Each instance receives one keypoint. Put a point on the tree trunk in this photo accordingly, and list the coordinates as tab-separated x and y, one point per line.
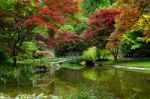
14	60
14	55
115	53
51	33
115	58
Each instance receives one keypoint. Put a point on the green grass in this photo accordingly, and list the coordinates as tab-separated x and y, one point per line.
135	63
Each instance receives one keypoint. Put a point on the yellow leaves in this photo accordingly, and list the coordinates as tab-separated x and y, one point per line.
143	23
132	12
147	36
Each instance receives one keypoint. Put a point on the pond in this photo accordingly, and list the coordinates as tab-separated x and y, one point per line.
89	83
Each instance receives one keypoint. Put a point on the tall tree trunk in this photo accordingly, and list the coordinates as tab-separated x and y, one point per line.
14	55
14	61
115	52
51	33
115	58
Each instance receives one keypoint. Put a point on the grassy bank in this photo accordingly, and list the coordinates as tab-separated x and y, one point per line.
145	63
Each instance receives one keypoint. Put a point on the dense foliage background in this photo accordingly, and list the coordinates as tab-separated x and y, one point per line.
93	29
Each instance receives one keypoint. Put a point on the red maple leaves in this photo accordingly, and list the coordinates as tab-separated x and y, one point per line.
101	24
68	37
55	13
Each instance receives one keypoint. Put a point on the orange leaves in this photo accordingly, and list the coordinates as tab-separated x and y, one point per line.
114	40
131	13
147	35
127	19
132	10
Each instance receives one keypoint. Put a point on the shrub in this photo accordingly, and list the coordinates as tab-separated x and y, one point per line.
3	57
94	53
134	45
90	54
103	54
29	48
8	73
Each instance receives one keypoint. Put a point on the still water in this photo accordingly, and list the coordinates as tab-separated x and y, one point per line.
89	83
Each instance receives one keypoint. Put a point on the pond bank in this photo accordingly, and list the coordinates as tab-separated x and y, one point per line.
141	63
133	68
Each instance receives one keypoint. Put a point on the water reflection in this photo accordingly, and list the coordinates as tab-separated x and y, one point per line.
106	83
91	83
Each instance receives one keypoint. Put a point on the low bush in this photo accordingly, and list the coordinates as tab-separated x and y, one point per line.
134	45
3	57
9	74
6	73
94	54
90	54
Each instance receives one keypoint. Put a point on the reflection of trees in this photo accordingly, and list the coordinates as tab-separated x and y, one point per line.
97	79
121	83
70	75
105	83
98	74
129	84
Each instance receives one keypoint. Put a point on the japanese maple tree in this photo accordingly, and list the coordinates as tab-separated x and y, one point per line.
131	12
54	14
101	24
13	28
19	17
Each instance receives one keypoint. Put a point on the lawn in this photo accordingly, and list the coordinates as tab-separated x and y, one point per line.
134	62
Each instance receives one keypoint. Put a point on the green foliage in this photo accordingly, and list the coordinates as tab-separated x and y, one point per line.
90	6
134	39
10	5
5	4
8	74
105	4
76	26
133	45
3	57
103	54
90	54
77	47
67	27
29	48
80	27
14	29
42	30
94	53
24	73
